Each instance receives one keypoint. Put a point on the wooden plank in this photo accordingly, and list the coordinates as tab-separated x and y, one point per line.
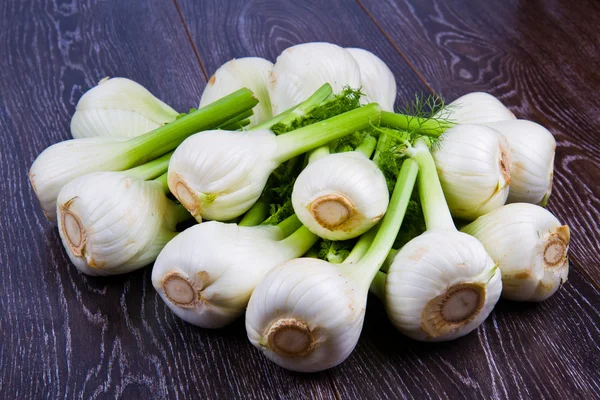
539	58
63	335
265	28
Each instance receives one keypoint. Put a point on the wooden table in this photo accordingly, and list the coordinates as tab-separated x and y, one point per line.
64	335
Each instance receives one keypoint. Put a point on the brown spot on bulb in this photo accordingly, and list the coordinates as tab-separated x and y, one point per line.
505	161
523	275
212	80
418	254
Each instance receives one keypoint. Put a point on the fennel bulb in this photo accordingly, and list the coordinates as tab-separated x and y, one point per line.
119	107
207	273
248	72
532	149
307	314
61	163
473	164
302	69
530	246
111	223
475	108
442	284
218	175
340	196
376	79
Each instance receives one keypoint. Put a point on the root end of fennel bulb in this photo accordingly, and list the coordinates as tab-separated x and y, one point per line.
556	245
530	246
334	211
290	337
73	230
340	196
190	200
111	224
453	309
441	285
179	290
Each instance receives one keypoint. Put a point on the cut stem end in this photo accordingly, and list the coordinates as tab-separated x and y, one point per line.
185	195
73	230
556	247
179	290
290	338
454	309
332	211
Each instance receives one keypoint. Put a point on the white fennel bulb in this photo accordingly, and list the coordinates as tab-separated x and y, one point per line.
119	107
473	164
442	284
530	246
340	196
532	149
475	108
249	72
61	163
300	70
307	314
219	175
376	79
111	223
207	274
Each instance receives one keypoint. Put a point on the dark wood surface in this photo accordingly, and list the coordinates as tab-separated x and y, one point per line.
64	335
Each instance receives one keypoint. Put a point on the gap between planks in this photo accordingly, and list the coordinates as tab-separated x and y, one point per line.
189	35
393	44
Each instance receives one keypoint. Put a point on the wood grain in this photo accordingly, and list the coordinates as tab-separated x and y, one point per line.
65	335
540	59
265	28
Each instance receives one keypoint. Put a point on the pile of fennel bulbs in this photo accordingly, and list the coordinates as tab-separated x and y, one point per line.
308	192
